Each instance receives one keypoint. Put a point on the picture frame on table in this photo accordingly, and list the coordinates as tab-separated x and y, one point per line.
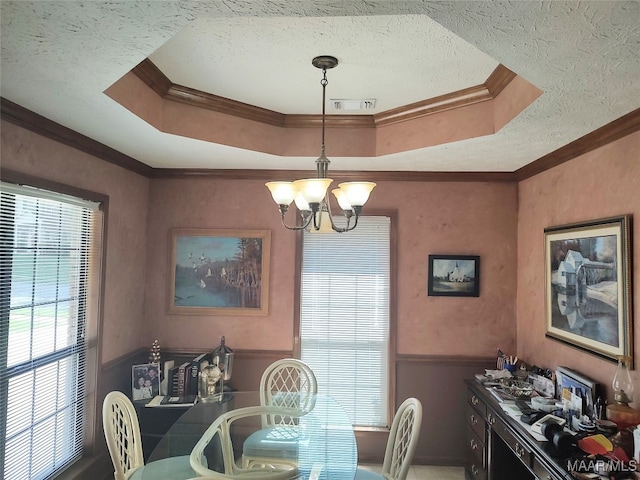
588	286
454	276
145	381
219	272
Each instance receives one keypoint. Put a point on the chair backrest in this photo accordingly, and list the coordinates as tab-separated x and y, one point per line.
122	432
403	440
288	383
221	428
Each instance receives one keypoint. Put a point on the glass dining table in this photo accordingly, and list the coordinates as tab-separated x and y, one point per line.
325	444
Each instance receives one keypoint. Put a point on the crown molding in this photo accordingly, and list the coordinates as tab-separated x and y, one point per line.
461	98
499	79
147	71
337	175
14	113
615	130
160	84
29	120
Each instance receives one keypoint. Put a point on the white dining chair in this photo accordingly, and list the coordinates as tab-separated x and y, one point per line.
122	433
401	444
288	383
220	430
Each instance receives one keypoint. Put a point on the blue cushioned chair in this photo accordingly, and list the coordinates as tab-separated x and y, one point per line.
290	384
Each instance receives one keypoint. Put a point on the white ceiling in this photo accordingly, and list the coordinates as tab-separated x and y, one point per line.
59	57
266	62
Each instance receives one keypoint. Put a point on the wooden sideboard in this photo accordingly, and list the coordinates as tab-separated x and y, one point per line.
154	423
500	448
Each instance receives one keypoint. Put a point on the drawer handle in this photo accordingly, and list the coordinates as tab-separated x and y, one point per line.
474	444
474	419
491	419
474	400
519	450
474	470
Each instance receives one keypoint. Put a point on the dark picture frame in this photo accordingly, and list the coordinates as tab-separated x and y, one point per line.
588	286
454	276
219	272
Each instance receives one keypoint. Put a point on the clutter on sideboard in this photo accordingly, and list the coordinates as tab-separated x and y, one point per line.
201	376
568	408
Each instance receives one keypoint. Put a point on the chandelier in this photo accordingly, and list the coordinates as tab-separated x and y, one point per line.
310	194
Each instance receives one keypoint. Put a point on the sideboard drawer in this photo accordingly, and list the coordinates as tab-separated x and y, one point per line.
498	448
522	452
477	403
476	422
475	472
541	471
476	451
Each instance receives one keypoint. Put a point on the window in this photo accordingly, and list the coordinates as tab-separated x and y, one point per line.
50	250
344	316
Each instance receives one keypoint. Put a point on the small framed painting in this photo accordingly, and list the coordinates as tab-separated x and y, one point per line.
219	272
454	276
588	286
145	381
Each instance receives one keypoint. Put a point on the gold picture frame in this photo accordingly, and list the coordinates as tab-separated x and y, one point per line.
588	286
219	272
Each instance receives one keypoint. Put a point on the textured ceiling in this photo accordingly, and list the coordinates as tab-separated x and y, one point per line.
58	58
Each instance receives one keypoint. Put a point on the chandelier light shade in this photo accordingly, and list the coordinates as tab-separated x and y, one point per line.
310	194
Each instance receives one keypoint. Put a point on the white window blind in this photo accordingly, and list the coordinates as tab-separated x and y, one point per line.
47	243
344	316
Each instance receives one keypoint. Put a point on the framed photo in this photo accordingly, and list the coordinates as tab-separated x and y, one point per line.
219	272
145	381
454	276
588	286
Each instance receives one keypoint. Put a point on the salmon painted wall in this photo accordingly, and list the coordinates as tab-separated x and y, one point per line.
456	217
599	184
217	204
444	218
487	219
29	153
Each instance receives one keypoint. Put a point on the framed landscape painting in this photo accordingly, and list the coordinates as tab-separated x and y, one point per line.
588	286
219	272
454	276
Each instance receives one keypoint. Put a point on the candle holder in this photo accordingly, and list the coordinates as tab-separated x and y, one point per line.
620	412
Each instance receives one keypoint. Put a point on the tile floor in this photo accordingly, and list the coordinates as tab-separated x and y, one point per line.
427	472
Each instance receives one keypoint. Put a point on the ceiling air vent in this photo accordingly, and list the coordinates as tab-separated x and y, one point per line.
353	105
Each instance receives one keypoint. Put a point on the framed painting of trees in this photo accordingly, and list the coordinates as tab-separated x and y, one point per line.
219	272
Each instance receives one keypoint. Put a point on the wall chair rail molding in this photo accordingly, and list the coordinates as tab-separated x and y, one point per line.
438	381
